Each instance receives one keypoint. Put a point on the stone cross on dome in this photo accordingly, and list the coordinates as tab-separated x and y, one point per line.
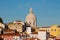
30	10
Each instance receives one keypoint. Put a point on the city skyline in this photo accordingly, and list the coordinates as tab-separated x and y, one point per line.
46	11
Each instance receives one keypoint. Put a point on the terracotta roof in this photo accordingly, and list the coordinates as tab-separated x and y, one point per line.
7	35
0	36
8	31
30	39
57	39
13	34
58	26
34	33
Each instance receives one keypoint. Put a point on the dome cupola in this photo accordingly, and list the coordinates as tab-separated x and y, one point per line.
31	18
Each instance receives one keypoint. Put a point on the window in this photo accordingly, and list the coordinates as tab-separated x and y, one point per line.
51	29
55	29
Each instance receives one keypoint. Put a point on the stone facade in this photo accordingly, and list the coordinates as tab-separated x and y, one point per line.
16	26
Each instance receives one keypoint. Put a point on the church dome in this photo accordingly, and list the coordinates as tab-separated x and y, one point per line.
31	16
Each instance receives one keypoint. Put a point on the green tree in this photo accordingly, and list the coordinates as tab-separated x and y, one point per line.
1	21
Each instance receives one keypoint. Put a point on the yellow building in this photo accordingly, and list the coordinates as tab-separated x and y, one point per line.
55	30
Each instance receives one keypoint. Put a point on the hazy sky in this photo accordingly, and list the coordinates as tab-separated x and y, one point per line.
47	11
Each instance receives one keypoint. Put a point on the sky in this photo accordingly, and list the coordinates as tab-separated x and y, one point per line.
47	12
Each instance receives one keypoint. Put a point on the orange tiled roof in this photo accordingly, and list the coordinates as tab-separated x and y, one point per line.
13	34
34	33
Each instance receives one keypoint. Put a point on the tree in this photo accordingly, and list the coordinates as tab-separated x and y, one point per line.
1	21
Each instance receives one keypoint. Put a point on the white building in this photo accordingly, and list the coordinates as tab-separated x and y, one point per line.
42	34
34	35
28	30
